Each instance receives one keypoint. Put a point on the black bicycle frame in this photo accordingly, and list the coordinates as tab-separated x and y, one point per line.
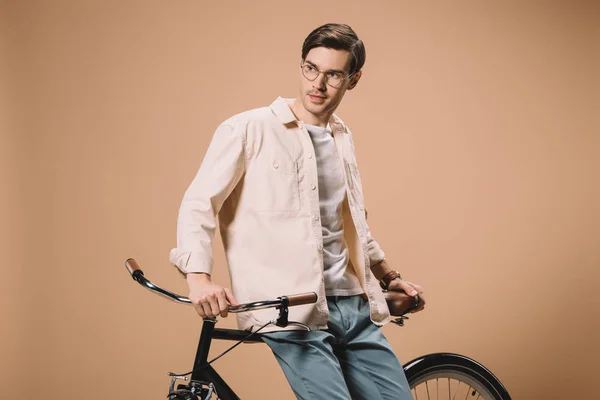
204	372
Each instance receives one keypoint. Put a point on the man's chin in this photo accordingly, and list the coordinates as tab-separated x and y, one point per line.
316	109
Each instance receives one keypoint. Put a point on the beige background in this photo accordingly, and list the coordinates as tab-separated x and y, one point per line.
477	131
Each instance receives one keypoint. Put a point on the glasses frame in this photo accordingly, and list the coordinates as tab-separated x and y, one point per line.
325	74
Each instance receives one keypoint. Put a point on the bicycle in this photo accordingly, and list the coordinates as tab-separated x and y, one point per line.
465	376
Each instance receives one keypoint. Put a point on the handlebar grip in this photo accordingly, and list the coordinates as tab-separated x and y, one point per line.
304	298
395	304
133	267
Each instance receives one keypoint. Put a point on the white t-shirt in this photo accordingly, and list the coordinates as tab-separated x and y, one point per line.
339	280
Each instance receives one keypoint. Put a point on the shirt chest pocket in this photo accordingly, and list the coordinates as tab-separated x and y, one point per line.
272	185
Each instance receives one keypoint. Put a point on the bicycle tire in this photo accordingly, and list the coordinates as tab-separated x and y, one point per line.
458	370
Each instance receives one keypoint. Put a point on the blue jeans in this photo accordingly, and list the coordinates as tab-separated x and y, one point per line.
350	360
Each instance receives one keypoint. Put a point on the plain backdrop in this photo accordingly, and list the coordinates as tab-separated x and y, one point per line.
478	137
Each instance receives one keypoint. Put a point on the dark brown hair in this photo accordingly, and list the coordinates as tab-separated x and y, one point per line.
339	37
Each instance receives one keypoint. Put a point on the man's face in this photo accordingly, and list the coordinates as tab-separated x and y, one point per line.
317	97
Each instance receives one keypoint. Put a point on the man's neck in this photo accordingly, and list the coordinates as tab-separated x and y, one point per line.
309	118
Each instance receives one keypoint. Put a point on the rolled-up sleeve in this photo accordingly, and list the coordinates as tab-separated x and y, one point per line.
374	250
222	168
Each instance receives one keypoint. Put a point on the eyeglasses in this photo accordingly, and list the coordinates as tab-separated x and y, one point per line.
332	78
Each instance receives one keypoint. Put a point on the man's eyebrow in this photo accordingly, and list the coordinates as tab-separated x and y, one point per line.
331	70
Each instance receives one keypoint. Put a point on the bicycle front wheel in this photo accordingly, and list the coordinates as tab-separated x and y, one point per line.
446	376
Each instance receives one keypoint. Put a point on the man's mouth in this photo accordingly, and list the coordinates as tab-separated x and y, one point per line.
316	97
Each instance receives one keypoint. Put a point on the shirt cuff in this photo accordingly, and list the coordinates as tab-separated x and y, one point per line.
376	255
191	261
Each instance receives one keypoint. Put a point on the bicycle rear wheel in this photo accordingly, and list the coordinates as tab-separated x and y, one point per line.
446	376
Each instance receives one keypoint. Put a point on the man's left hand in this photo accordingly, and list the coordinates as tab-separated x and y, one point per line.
408	289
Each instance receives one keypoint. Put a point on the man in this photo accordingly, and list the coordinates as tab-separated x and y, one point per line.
284	183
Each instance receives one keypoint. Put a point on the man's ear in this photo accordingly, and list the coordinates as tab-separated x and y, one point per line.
354	80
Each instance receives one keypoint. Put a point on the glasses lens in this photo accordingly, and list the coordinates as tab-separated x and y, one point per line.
309	72
334	81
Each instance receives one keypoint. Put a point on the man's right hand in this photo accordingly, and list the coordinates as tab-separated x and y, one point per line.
209	299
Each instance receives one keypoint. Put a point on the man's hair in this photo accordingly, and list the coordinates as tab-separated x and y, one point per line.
338	37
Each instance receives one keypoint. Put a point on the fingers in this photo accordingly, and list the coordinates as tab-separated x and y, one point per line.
420	293
199	310
206	309
407	287
414	285
223	305
413	290
204	305
399	303
212	302
230	297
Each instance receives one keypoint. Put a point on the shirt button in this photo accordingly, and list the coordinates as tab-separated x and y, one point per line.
310	155
316	217
313	187
275	165
320	247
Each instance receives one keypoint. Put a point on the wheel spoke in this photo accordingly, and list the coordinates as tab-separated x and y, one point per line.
455	393
468	391
474	383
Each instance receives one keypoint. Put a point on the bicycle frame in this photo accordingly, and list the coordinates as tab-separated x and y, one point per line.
203	372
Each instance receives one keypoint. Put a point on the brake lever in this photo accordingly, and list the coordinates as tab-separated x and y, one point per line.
400	320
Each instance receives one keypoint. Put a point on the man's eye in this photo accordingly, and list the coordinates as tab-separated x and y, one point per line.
335	75
309	68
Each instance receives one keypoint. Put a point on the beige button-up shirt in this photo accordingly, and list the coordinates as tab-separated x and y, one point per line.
259	178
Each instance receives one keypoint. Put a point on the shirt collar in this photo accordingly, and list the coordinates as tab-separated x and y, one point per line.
281	109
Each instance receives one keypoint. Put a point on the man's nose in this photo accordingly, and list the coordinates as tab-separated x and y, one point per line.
319	83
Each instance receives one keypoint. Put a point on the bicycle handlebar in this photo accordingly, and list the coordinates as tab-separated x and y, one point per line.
293	300
132	266
304	298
